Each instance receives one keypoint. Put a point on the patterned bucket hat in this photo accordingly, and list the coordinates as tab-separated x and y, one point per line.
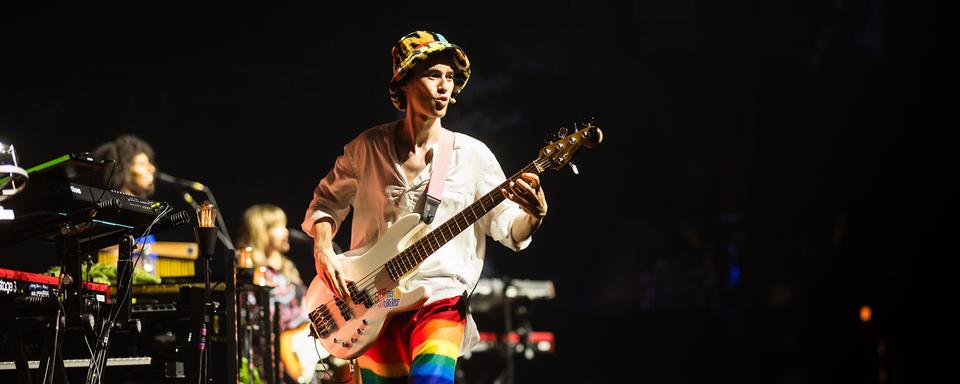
415	48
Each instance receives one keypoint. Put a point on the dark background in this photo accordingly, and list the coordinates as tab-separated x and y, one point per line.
768	167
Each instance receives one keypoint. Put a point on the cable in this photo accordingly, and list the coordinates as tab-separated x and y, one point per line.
61	311
326	368
109	179
98	360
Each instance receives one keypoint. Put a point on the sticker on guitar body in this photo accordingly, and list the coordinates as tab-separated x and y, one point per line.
388	298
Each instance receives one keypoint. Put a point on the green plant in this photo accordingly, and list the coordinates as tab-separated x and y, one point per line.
107	274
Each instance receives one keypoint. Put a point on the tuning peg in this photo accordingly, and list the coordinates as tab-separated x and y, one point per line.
551	138
562	131
573	167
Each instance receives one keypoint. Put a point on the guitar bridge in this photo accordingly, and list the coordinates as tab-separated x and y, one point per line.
323	321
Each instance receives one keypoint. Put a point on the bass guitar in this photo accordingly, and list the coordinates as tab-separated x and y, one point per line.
347	328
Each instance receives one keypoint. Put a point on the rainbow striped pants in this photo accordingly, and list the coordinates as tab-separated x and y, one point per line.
417	346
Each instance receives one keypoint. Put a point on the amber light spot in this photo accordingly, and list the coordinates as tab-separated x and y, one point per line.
866	313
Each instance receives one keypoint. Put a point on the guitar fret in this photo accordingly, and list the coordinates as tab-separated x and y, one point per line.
427	246
422	251
413	259
450	233
415	251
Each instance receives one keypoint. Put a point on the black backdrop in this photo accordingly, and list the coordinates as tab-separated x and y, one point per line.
768	167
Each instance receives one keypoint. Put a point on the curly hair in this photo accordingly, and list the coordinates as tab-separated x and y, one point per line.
122	150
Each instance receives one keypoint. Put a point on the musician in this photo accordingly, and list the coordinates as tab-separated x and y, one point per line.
382	174
134	173
263	235
264	231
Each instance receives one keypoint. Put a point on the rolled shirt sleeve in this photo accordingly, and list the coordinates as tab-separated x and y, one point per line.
334	194
499	220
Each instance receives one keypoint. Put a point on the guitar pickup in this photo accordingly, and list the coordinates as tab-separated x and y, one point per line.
344	310
358	296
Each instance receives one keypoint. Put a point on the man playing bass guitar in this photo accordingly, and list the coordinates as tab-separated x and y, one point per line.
384	174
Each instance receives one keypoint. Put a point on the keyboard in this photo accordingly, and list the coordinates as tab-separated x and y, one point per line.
82	363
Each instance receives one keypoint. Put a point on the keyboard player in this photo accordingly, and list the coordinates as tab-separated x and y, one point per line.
134	173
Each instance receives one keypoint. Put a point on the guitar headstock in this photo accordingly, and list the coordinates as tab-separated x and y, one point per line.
563	146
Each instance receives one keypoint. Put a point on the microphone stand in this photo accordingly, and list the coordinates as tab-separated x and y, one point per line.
207	242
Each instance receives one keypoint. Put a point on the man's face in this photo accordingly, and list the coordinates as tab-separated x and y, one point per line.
430	87
141	176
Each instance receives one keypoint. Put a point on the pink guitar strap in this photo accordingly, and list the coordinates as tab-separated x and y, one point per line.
441	163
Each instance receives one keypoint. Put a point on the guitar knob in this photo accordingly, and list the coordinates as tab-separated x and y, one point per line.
359	331
353	339
365	322
562	131
335	340
345	344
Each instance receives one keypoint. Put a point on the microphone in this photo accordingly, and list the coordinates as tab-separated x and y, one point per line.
299	236
189	199
169	179
184	183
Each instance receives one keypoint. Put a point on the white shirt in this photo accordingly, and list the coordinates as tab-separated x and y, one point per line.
368	177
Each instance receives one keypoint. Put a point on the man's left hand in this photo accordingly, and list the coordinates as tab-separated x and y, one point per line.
527	193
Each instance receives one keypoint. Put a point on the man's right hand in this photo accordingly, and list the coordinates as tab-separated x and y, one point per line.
328	264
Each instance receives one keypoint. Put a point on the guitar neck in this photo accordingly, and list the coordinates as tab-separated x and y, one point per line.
417	252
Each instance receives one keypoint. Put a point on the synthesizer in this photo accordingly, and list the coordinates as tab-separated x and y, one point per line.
62	191
28	287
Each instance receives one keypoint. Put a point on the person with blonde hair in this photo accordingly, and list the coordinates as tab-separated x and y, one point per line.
264	241
265	232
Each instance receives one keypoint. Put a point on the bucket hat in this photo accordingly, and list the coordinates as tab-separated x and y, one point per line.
416	47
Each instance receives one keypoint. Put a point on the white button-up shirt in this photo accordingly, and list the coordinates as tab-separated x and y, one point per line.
368	177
